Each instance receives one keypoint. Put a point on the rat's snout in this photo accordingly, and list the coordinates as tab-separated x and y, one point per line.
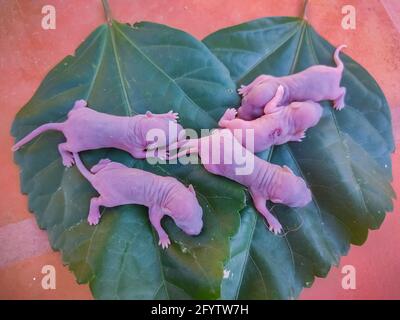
190	217
197	224
317	110
195	230
304	197
306	114
192	228
313	113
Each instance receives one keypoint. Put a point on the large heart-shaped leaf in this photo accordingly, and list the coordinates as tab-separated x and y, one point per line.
124	70
345	160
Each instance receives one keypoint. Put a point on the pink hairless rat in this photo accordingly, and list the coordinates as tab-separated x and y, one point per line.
316	83
266	181
120	185
287	124
87	129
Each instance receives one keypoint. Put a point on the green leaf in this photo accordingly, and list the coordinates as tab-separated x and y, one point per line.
345	160
127	70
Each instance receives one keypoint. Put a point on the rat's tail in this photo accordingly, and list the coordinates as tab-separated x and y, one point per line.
36	132
339	63
81	167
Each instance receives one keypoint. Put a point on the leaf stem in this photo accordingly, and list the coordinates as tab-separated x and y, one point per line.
107	11
305	7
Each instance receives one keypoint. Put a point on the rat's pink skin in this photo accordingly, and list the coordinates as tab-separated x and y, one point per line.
87	129
287	124
316	83
266	182
164	196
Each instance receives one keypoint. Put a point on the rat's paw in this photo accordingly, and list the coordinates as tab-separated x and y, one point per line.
80	104
68	161
230	114
242	90
164	242
299	136
93	219
338	106
173	115
274	225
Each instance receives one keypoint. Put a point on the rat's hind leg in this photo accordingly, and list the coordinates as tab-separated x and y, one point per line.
94	211
273	105
338	103
260	204
67	157
169	115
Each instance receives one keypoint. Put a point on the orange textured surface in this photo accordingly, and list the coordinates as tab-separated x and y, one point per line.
27	53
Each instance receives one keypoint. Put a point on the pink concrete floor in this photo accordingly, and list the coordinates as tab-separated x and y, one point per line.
27	53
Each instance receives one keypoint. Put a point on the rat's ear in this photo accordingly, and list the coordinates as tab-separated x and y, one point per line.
286	168
191	189
149	114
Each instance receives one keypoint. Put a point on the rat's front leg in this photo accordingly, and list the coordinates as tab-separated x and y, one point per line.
156	214
66	155
94	211
260	204
169	115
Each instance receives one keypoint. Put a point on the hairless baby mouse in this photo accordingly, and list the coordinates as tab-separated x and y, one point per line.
164	196
266	181
87	129
286	124
315	83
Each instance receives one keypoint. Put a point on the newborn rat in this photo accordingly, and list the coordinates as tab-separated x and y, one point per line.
288	123
120	185
315	83
87	129
266	181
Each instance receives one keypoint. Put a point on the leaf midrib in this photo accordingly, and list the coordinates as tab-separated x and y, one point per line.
248	254
163	73
361	195
268	53
304	32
